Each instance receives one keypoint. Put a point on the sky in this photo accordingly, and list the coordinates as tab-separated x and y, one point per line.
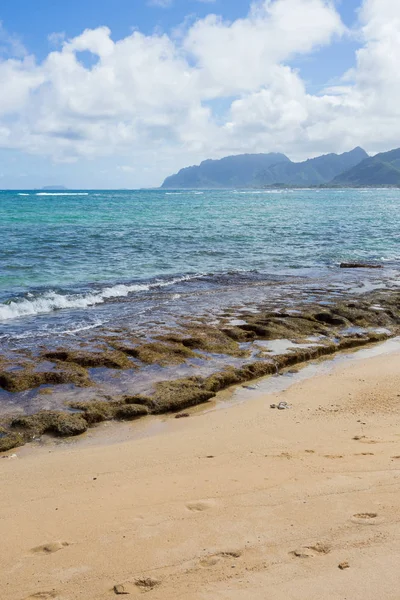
120	94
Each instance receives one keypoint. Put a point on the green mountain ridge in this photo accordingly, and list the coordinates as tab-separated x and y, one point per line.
263	170
382	169
314	171
228	172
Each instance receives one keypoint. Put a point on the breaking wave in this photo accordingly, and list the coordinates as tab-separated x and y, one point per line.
51	301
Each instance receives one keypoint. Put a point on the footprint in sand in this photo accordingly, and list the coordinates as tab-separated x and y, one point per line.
214	559
365	454
311	551
43	596
200	506
333	456
369	518
50	548
146	585
210	561
364	440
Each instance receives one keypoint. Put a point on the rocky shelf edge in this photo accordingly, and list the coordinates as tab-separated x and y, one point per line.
170	396
341	326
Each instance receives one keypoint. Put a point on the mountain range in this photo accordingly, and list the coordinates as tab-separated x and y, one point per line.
354	168
382	169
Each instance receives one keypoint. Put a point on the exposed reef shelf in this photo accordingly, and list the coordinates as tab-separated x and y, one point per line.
188	364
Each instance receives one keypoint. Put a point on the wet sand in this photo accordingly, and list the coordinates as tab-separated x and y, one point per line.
243	502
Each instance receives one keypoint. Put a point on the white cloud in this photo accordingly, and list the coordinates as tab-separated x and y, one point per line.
10	45
236	57
362	110
150	98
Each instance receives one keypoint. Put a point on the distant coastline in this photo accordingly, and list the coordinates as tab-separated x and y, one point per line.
354	169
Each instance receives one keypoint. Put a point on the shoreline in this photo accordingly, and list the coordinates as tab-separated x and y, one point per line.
114	432
226	504
189	364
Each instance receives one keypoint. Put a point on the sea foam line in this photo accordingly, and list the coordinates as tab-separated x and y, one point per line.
62	194
51	301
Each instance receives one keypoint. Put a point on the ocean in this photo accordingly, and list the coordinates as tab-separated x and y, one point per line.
76	264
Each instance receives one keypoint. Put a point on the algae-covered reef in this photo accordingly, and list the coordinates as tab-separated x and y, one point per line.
238	347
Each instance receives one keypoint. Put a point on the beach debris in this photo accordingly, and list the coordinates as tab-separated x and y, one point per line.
121	589
183	415
360	266
344	565
273	406
283	406
250	387
10	457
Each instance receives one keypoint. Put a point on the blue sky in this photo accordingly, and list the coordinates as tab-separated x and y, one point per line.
62	129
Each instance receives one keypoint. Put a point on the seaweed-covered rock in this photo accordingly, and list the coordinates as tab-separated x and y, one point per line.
207	339
26	379
329	319
176	395
58	423
162	353
131	411
212	340
94	411
127	407
223	379
269	327
239	335
9	440
138	399
109	359
65	424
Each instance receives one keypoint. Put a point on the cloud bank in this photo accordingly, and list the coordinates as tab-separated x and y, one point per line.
158	97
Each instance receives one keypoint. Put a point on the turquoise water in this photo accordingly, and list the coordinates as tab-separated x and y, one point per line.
63	253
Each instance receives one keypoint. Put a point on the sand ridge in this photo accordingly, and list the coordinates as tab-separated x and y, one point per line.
245	502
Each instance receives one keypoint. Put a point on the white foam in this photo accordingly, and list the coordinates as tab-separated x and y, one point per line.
45	332
51	301
62	194
23	194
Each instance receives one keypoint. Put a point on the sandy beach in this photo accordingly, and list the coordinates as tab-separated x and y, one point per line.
237	503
